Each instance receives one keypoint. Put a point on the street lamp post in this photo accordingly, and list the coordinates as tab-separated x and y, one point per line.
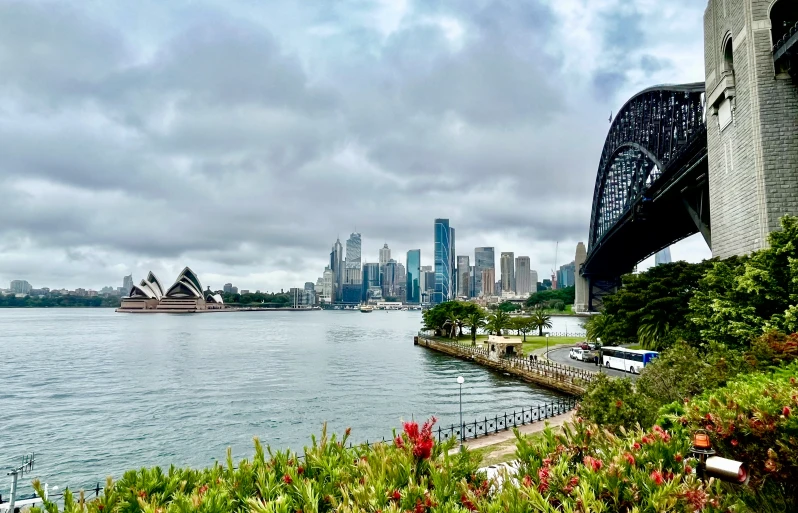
460	381
547	346
600	356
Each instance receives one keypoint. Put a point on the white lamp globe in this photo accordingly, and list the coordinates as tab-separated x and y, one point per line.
460	380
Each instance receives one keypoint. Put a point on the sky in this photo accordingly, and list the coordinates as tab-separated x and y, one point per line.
241	138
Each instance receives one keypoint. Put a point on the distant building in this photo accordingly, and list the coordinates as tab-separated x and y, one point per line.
20	287
228	288
329	285
523	276
566	275
452	266
370	281
484	258
507	260
488	283
351	293
533	280
413	285
443	262
385	255
463	276
353	244
663	256
127	284
337	267
244	291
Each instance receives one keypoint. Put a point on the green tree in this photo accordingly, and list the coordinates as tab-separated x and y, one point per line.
453	321
540	320
596	327
475	321
507	306
566	295
614	404
652	331
523	325
497	322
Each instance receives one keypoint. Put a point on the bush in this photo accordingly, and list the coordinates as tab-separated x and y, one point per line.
614	404
752	420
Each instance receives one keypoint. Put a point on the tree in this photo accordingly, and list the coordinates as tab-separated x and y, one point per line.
540	320
596	327
652	331
566	295
474	321
439	318
507	306
523	325
453	320
498	321
614	404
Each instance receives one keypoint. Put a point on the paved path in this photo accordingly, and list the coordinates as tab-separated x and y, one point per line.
527	429
560	355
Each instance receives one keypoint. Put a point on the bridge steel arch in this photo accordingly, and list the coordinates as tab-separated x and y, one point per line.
650	186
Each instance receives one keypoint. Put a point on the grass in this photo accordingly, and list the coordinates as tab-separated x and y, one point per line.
500	453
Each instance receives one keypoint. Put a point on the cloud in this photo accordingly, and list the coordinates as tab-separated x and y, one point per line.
242	140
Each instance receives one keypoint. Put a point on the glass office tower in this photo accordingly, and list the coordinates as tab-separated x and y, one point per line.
414	276
443	262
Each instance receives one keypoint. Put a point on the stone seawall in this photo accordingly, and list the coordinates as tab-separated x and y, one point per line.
557	377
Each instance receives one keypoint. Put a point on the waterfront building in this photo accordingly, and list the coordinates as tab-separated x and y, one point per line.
565	275
663	256
488	283
523	275
413	286
320	285
507	260
443	262
185	295
463	276
353	275
484	258
244	291
370	280
336	266
351	293
329	285
20	287
452	266
127	284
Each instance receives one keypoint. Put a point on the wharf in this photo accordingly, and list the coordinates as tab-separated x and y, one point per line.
548	374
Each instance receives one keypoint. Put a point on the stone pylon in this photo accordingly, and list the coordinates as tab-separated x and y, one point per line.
581	300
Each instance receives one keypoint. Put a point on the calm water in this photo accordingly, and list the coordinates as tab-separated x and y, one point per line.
94	392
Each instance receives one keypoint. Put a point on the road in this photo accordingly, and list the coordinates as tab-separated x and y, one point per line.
560	355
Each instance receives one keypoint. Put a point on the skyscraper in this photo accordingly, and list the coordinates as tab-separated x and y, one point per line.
353	251
523	275
508	272
663	256
337	267
385	255
533	279
443	262
484	258
127	284
463	276
329	284
488	283
371	280
414	276
566	275
452	266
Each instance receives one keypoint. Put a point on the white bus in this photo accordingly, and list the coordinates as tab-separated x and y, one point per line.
627	360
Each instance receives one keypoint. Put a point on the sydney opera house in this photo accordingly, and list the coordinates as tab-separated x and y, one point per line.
184	296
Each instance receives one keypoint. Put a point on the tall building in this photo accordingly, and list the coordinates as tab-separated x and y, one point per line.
127	284
566	275
414	276
385	254
228	288
463	276
452	266
484	258
443	262
533	279
353	251
523	275
371	281
508	271
329	284
337	267
663	257
23	287
488	283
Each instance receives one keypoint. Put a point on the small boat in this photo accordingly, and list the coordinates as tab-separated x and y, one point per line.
366	308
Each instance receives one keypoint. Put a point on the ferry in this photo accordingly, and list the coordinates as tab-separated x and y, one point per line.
366	308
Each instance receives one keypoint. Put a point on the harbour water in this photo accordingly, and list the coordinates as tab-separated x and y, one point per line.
94	392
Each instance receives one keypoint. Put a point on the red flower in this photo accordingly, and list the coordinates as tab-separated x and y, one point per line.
618	404
422	440
771	466
574	481
399	442
420	508
527	481
636	446
101	507
629	458
348	431
786	411
143	494
287	479
300	470
688	469
734	442
657	477
592	463
678	458
696	498
396	495
543	474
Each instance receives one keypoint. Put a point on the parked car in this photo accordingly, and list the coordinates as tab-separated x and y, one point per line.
584	345
582	355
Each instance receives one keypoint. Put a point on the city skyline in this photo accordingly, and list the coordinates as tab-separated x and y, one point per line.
165	122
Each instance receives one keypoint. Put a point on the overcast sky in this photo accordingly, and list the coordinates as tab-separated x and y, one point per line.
241	137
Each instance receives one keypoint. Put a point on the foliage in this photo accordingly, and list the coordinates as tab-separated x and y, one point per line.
508	306
475	321
59	301
413	474
497	322
596	327
276	300
658	300
752	419
587	469
540	320
439	317
773	349
566	295
615	404
523	325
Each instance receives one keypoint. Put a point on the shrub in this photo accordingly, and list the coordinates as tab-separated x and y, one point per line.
614	403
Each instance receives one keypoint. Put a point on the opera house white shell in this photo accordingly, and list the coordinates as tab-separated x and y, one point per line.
184	296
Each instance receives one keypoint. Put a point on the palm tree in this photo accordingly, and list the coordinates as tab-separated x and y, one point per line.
540	319
596	327
475	321
651	330
498	321
453	320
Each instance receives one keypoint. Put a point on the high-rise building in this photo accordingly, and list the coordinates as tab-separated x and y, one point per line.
663	257
508	271
228	288
127	284
533	279
23	287
566	275
452	266
413	286
484	258
385	254
443	262
353	252
337	267
523	275
488	283
329	284
463	276
371	280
